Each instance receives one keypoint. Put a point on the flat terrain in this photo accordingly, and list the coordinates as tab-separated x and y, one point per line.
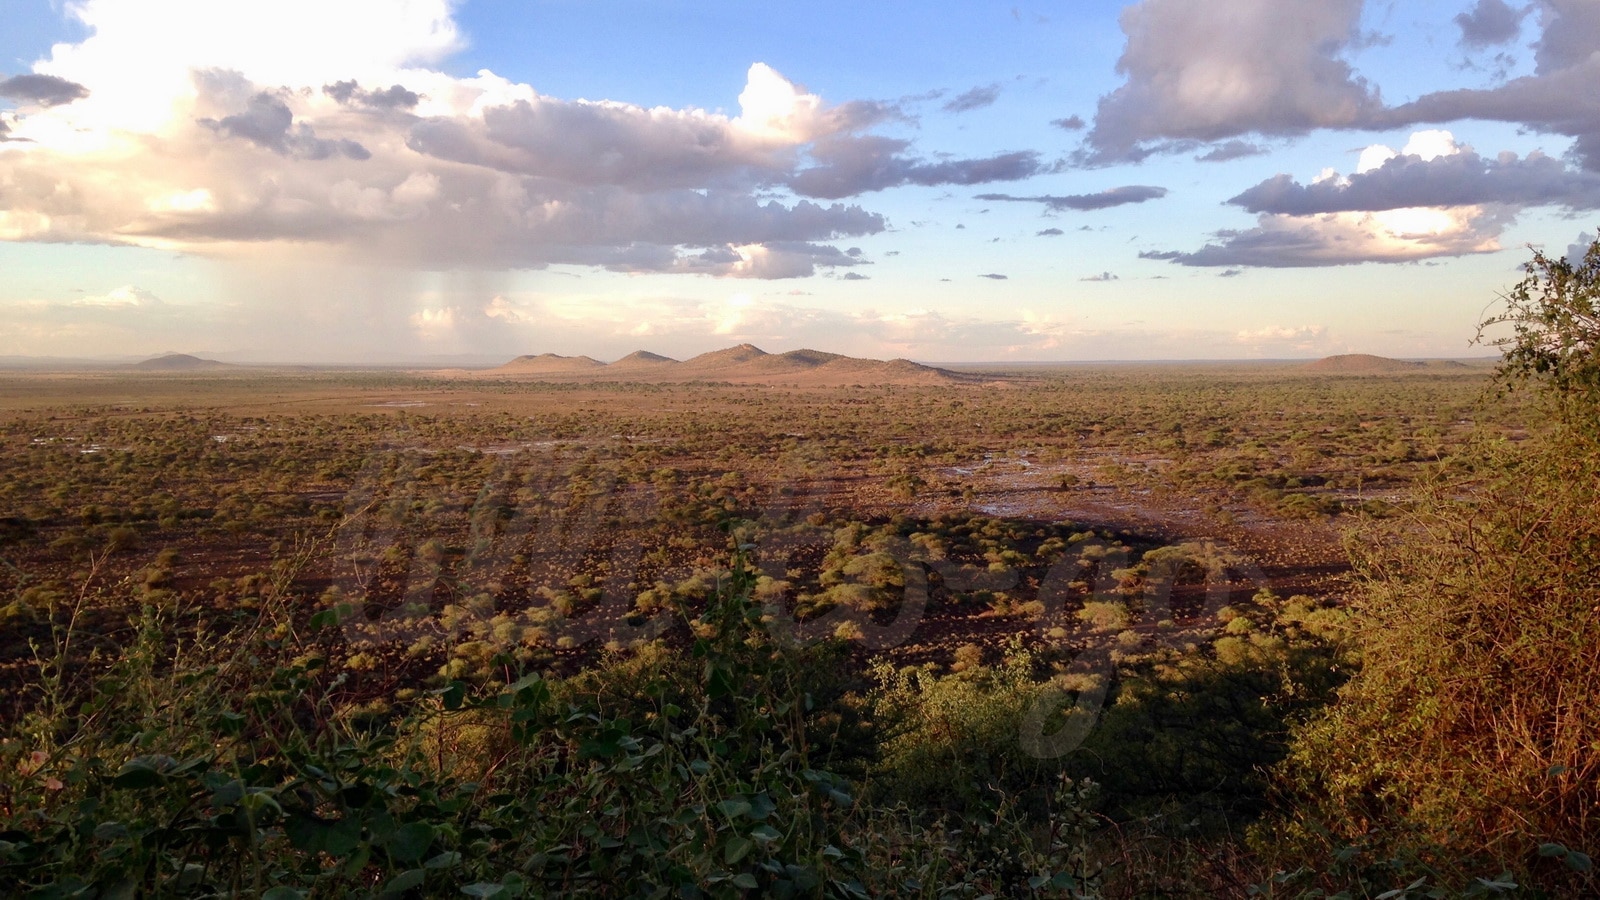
549	517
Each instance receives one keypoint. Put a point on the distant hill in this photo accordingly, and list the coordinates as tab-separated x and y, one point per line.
549	363
643	359
1367	364
180	362
744	364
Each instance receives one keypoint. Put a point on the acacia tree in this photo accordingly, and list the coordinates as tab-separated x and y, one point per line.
1554	314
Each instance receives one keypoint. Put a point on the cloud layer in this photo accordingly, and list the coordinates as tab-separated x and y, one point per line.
371	155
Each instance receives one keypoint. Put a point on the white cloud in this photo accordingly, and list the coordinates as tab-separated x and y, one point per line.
127	296
1347	238
433	322
1281	333
201	132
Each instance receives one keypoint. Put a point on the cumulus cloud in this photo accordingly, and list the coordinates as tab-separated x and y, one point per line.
1434	197
1490	22
1558	98
1337	239
994	276
1117	196
1408	180
45	90
1200	72
357	148
1103	276
1291	340
1070	123
1049	232
977	98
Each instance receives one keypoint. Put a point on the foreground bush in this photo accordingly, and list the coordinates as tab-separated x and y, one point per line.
227	770
1467	743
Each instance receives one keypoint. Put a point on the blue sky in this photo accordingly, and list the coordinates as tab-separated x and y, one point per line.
405	180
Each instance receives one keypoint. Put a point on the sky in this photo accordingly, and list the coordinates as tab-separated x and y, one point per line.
405	181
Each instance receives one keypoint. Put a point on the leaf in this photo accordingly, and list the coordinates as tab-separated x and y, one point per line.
332	617
357	861
410	841
719	680
746	881
452	695
765	834
761	806
336	838
737	849
1552	850
1579	862
734	808
142	773
282	892
405	881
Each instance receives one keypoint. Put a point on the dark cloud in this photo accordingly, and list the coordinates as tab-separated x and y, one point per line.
977	98
1049	232
45	90
1571	33
1200	72
1234	149
392	97
1491	22
269	123
995	276
852	164
1230	273
600	143
854	276
1117	196
1458	179
1577	251
342	91
1103	276
1070	123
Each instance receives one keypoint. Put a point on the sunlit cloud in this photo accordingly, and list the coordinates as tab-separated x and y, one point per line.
181	125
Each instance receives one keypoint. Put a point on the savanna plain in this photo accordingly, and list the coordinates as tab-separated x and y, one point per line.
1132	630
